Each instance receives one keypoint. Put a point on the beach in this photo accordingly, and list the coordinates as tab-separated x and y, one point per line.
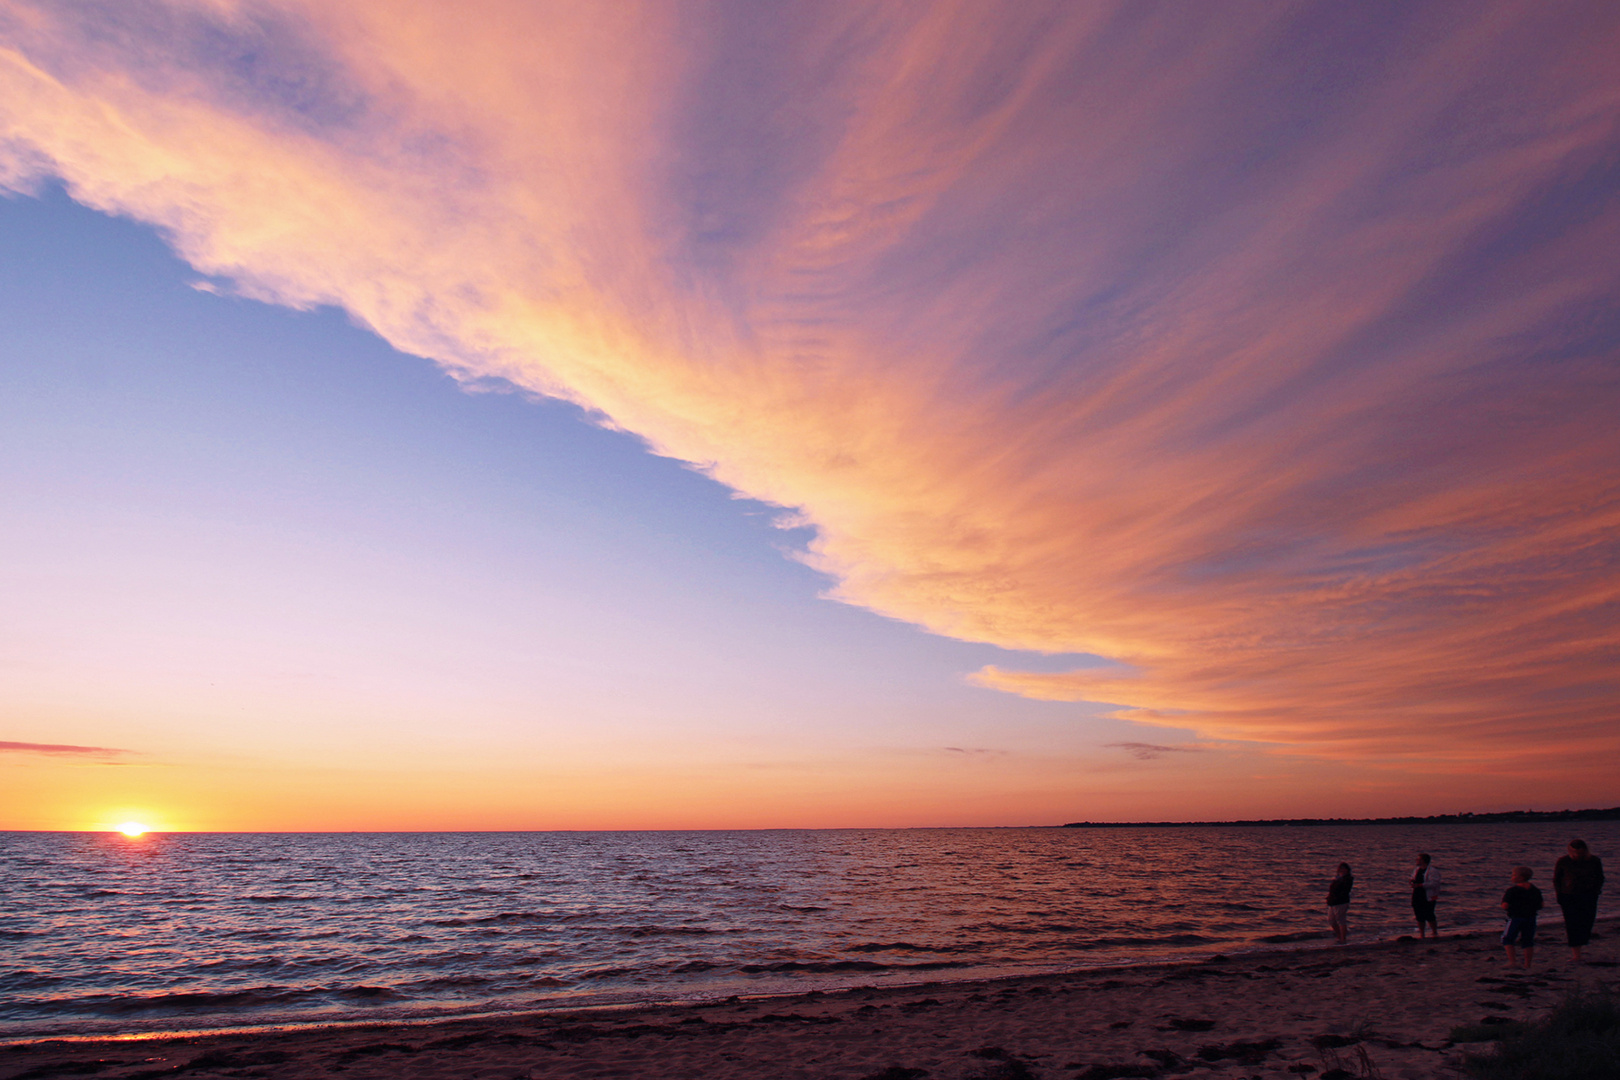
1282	1013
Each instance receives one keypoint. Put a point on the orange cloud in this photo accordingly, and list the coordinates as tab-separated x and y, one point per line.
1266	352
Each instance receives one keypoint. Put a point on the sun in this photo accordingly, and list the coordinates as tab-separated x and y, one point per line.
132	829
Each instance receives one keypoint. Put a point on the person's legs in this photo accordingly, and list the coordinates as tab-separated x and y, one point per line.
1519	932
1338	921
1579	915
1586	913
1421	914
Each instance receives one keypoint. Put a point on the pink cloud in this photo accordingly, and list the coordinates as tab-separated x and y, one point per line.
1267	352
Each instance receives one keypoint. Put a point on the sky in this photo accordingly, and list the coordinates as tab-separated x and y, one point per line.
717	415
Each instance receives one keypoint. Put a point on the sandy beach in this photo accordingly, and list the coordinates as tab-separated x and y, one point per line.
1294	1013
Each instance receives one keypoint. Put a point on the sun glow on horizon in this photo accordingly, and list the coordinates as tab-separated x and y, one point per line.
132	829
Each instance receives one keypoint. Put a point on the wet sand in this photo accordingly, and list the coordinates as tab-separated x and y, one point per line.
1273	1014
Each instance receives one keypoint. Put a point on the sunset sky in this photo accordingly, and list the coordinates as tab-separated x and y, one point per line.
510	415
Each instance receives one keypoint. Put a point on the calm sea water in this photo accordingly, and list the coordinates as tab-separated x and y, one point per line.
99	933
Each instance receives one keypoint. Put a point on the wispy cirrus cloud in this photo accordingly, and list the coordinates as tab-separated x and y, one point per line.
1269	352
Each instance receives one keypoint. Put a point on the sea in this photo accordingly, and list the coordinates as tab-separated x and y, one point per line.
102	934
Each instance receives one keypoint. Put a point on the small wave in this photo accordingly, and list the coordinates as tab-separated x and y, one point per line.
537	958
440	960
367	993
661	931
1280	939
1167	939
801	910
27	980
255	963
503	917
893	946
16	935
695	966
1026	928
279	898
451	982
828	966
929	965
198	1001
815	965
106	892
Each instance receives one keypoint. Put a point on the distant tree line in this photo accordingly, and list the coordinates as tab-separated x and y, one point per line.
1506	817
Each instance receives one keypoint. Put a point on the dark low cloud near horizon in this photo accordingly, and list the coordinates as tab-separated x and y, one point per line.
60	748
1143	751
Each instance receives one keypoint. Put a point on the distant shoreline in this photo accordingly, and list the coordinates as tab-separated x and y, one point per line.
1510	817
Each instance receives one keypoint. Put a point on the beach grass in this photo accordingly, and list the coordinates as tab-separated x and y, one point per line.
1579	1040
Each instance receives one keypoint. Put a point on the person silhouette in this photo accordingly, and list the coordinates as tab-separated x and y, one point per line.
1577	882
1523	903
1425	892
1338	903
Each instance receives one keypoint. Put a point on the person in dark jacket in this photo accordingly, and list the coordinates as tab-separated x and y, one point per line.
1577	881
1338	903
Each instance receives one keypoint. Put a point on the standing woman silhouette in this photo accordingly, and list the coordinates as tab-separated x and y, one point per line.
1577	881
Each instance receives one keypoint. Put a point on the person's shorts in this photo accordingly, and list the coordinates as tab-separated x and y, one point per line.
1339	913
1423	908
1520	932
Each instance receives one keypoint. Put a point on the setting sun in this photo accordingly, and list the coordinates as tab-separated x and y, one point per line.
132	828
